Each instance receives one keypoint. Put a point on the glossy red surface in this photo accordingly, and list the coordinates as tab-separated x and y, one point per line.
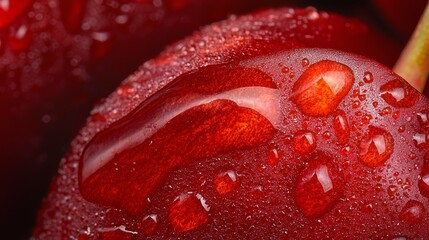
361	188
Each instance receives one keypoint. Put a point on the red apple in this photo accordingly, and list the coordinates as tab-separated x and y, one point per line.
54	56
240	131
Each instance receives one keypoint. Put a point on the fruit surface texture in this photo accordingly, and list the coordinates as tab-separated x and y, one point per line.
246	130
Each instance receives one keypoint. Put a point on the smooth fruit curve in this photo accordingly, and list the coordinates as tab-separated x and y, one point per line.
228	151
200	115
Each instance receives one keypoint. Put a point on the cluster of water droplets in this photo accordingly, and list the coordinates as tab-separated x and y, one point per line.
321	183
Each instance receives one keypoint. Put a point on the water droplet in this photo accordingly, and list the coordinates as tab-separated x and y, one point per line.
422	117
376	147
396	115
305	62
116	233
225	182
321	87
392	190
197	117
11	9
319	186
421	140
188	211
102	42
367	77
20	37
412	212
399	94
355	104
312	13
366	119
326	135
424	183
341	127
149	224
273	157
386	111
304	142
285	70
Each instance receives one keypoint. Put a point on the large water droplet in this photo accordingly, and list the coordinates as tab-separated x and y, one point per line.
368	77
421	140
200	115
412	212
225	182
423	119
319	186
116	233
424	182
273	157
102	42
305	62
149	224
11	9
188	211
399	94
341	127
320	89
392	190
304	142
20	37
376	147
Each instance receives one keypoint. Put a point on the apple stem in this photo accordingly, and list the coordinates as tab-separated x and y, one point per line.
413	64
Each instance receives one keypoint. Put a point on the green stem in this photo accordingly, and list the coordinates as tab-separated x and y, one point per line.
413	64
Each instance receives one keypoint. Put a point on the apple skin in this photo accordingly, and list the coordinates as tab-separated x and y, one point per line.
239	42
46	102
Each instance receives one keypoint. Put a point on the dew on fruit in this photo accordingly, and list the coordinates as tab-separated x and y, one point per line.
386	111
341	127
285	70
366	119
392	190
368	77
188	211
273	157
102	41
422	117
319	186
376	147
399	94
321	87
305	62
421	140
412	212
149	224
304	142
20	37
225	182
424	183
396	115
197	117
116	233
